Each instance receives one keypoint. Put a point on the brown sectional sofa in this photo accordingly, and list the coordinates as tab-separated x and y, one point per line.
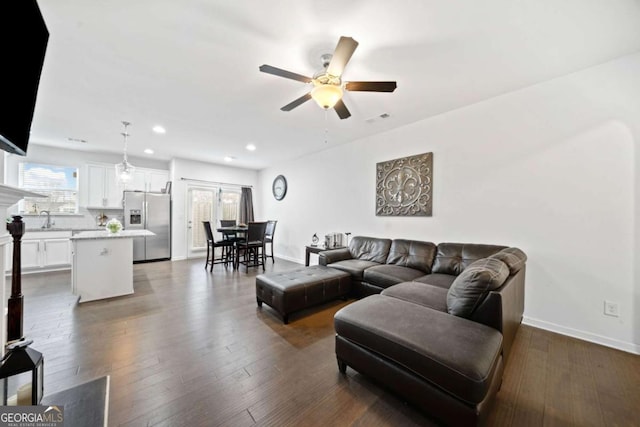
443	325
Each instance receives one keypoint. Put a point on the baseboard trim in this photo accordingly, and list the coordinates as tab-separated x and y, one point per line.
40	270
288	258
582	335
178	258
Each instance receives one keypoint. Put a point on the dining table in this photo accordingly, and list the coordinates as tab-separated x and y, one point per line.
233	232
233	228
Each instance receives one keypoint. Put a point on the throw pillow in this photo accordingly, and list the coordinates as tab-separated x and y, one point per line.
473	284
513	257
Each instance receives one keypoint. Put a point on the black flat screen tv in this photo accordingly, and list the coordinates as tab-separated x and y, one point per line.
23	43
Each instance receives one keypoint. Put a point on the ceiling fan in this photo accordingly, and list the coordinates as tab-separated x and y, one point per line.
327	84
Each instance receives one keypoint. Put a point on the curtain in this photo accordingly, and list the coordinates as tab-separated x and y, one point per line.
246	206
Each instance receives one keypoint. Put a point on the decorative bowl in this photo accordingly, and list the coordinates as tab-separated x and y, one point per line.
113	226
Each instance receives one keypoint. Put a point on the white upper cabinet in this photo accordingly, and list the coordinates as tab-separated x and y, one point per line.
138	183
103	190
95	184
157	180
112	191
149	180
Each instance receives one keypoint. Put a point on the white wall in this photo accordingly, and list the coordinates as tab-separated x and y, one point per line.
550	168
181	168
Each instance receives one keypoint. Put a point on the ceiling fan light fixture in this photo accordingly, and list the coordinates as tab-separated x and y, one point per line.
326	95
328	87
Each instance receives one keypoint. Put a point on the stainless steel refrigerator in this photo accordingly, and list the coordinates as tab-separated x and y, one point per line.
149	211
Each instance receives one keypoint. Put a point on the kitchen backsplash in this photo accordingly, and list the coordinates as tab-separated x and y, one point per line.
86	218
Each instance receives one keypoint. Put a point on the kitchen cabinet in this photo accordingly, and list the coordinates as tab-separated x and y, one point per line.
56	252
103	190
103	264
42	250
29	254
149	180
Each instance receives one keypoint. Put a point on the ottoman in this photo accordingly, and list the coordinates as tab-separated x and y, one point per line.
294	290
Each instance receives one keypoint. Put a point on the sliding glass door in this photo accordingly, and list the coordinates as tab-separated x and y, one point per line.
211	204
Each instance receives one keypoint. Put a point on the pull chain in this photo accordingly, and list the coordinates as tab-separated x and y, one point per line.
326	124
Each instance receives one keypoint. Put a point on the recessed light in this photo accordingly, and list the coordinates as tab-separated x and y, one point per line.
159	129
251	147
229	158
148	150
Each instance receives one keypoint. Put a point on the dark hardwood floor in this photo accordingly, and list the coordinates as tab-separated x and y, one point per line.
191	348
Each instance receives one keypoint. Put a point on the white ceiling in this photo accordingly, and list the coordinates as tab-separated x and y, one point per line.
192	66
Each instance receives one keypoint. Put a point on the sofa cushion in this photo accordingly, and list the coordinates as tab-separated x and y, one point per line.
453	258
419	293
437	279
513	257
333	255
472	286
387	275
413	254
355	267
370	249
457	355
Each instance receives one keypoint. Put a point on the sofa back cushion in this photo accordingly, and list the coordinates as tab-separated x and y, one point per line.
513	257
453	258
370	249
413	254
472	285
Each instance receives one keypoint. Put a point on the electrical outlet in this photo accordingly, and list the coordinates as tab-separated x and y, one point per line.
611	309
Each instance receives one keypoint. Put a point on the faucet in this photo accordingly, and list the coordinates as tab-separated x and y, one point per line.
47	224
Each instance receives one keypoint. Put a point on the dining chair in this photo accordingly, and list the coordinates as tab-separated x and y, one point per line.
227	223
234	236
226	245
228	235
252	248
268	238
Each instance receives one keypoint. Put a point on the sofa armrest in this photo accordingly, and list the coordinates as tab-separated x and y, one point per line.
503	308
333	255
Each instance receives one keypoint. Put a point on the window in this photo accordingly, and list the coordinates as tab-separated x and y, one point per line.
229	204
58	185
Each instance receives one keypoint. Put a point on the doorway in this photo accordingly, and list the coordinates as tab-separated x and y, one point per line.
211	204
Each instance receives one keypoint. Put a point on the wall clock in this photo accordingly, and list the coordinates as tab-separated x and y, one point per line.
279	187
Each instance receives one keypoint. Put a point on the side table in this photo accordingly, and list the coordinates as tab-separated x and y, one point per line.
316	250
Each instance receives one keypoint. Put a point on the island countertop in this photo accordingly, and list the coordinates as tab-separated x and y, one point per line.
103	234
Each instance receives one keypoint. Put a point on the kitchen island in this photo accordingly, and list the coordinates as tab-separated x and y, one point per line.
102	263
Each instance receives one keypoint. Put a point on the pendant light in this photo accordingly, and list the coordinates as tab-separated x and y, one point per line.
124	170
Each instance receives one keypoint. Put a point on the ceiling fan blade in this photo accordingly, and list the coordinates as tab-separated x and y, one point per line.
342	110
290	106
371	86
284	73
342	54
